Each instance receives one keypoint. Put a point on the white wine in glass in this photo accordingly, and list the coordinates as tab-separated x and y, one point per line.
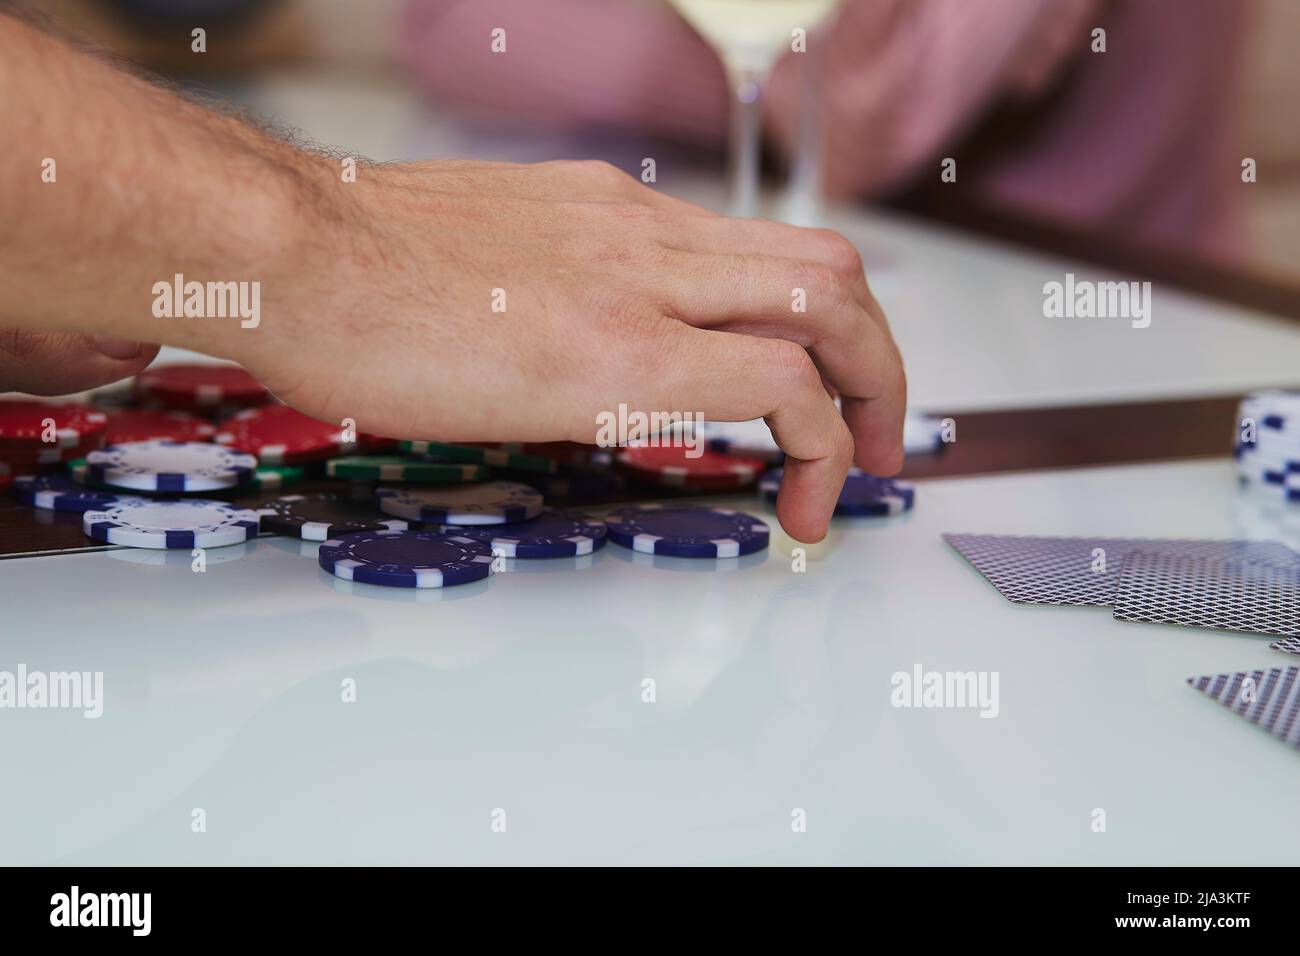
749	36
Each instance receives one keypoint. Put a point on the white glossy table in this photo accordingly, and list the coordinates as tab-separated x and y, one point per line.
524	693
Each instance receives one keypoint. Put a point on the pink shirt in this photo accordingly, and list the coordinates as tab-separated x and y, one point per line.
1135	141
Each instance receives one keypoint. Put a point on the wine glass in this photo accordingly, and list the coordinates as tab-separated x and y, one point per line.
749	36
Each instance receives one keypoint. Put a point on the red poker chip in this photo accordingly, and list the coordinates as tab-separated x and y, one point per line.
28	459
134	424
200	385
708	471
22	425
279	435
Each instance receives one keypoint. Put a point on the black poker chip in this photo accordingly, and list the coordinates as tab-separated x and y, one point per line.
320	517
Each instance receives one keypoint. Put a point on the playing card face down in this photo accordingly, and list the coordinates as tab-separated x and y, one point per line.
1085	571
1204	592
1288	645
1268	698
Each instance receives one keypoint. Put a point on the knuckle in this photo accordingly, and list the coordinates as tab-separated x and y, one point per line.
822	282
842	255
33	345
599	170
793	364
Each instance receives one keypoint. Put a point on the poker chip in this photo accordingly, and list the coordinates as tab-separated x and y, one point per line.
696	468
190	523
862	496
200	385
322	516
80	473
134	424
552	534
684	531
23	426
280	435
472	454
566	454
34	456
169	466
922	434
1272	459
396	468
494	502
60	493
275	477
406	559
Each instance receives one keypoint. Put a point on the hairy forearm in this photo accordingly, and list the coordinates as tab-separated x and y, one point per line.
110	184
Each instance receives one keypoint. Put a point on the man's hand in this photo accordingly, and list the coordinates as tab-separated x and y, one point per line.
377	294
613	294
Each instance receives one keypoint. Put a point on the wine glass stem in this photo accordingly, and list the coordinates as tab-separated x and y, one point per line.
746	140
802	202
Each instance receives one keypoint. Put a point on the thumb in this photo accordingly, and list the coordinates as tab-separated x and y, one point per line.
56	363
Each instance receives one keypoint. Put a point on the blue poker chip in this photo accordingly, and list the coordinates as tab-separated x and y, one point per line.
406	559
60	493
552	534
685	531
164	465
863	495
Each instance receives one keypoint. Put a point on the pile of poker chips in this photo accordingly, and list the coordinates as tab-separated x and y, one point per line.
152	468
38	436
1267	444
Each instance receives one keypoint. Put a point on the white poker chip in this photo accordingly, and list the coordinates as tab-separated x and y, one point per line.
922	434
190	523
492	502
163	465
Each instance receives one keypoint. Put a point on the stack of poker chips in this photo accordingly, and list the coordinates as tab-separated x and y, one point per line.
39	437
169	463
1267	444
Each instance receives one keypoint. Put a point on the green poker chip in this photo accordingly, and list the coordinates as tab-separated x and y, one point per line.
397	468
275	477
439	451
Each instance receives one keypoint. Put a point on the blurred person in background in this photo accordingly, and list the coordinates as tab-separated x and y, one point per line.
1136	142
